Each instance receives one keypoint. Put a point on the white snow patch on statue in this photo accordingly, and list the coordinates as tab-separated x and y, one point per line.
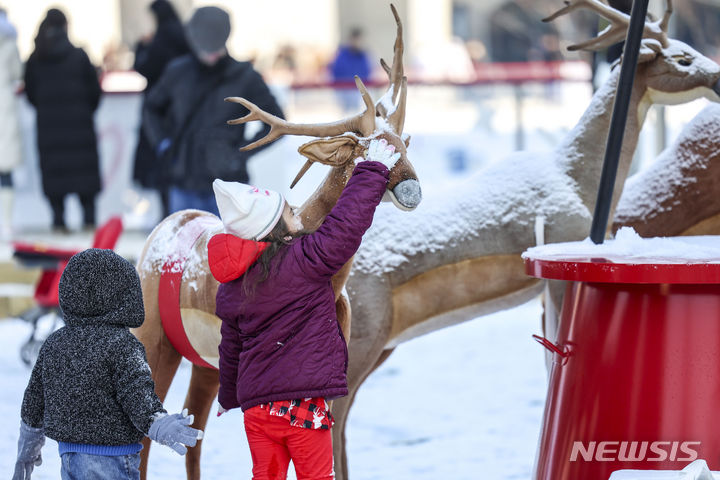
387	101
646	192
567	151
166	250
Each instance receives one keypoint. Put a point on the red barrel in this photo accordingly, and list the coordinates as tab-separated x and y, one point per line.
635	382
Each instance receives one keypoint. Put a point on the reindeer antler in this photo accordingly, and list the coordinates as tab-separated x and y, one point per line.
665	22
362	123
386	104
619	22
396	119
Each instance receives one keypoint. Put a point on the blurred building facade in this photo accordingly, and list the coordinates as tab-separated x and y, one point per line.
435	31
109	29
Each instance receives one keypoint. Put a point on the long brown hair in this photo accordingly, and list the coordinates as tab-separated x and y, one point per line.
277	241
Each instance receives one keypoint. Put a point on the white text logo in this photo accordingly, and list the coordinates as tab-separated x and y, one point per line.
634	451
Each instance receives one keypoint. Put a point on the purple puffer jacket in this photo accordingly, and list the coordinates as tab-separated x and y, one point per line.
285	342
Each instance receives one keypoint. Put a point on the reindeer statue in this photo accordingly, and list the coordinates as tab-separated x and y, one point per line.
463	257
678	194
178	289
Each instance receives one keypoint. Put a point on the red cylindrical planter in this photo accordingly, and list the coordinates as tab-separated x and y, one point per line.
635	382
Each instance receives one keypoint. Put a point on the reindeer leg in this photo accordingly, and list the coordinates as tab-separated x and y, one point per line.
341	410
342	310
204	385
163	360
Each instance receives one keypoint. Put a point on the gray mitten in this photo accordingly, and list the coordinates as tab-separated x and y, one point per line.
29	446
174	432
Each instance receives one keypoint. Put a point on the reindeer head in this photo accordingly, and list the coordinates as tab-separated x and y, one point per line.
341	142
672	72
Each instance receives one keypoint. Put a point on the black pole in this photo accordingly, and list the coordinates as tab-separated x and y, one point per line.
618	121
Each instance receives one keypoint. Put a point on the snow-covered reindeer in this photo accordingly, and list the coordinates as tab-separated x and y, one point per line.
463	257
679	194
178	289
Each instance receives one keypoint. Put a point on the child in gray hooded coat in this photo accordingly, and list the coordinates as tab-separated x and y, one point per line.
91	388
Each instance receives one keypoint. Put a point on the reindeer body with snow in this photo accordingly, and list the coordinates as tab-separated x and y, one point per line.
178	288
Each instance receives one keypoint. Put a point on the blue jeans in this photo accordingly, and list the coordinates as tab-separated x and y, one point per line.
83	466
183	199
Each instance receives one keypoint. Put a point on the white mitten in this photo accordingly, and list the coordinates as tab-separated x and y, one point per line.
380	151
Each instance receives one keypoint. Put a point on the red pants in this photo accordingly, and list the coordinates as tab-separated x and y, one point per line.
273	443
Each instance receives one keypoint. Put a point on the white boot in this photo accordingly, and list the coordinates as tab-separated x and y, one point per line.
7	197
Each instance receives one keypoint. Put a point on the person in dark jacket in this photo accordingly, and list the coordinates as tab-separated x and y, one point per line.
151	58
282	353
63	86
185	115
91	389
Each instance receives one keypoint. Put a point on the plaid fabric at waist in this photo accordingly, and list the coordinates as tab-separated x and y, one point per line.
313	413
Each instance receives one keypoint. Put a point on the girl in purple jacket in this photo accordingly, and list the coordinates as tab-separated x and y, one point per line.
282	353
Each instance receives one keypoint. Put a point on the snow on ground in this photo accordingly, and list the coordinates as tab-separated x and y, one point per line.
461	403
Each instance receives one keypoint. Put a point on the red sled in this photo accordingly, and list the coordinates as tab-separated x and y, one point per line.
52	261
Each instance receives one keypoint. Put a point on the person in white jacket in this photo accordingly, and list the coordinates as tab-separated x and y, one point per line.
10	140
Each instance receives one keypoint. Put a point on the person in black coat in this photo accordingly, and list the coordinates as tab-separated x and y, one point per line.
63	86
185	116
151	58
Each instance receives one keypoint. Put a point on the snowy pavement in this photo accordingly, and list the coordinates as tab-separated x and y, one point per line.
462	403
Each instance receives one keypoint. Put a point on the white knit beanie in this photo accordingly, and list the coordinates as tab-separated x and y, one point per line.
247	211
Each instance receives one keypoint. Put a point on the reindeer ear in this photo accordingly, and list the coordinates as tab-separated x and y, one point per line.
333	151
649	50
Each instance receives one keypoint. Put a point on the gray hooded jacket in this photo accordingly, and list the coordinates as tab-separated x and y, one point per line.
91	383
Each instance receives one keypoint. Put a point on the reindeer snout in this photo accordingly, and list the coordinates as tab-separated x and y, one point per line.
407	194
